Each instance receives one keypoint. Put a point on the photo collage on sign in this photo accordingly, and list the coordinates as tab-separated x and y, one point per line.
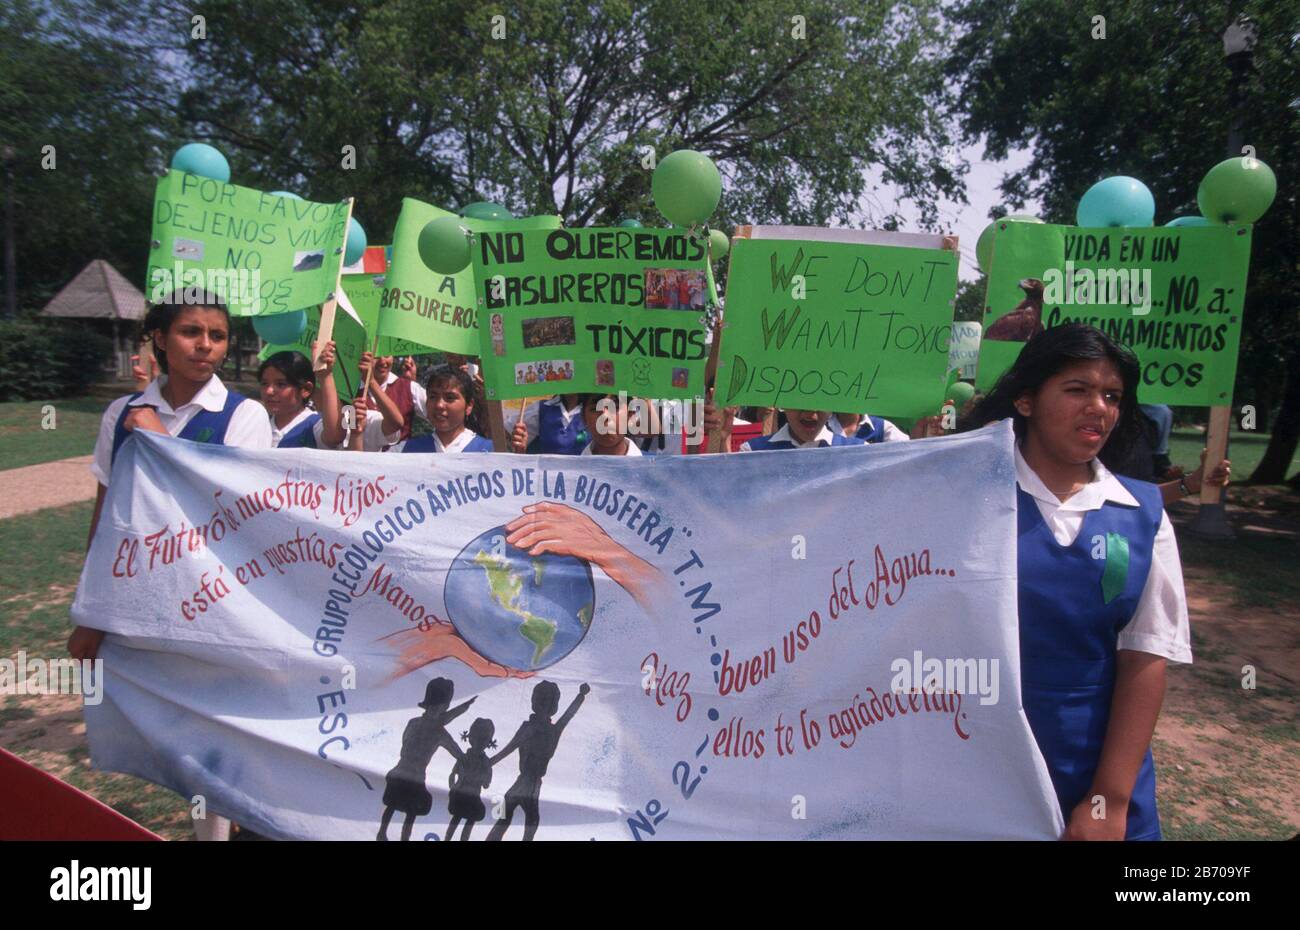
665	289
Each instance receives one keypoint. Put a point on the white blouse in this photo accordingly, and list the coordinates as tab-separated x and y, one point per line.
1160	625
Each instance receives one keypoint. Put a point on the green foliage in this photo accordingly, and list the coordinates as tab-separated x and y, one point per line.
553	116
1153	99
84	106
40	361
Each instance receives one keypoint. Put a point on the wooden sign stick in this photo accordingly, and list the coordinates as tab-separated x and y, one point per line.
720	440
325	332
1216	444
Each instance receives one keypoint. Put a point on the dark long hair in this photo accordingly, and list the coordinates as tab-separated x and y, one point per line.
161	316
295	367
1044	356
444	373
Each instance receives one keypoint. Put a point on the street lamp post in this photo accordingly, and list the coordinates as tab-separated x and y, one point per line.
1238	54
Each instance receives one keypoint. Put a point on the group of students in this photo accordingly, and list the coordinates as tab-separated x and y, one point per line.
1095	635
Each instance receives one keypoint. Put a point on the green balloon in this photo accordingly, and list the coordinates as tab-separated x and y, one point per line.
1190	221
630	224
719	244
1237	190
486	210
984	245
443	245
686	187
960	393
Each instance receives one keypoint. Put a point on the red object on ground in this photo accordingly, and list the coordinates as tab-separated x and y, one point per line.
35	805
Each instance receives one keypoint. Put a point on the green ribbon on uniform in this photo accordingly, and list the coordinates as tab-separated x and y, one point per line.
204	434
1115	575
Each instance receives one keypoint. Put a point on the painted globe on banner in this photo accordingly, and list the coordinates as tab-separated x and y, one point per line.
519	610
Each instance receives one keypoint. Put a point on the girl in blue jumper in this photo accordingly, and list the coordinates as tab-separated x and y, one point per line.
551	427
1102	608
450	407
288	386
187	400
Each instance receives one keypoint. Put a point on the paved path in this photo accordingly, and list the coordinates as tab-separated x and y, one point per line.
50	484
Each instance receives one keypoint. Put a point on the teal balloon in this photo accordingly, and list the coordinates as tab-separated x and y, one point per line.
355	246
984	245
630	224
686	187
719	244
1117	201
290	194
281	329
443	245
1190	221
202	159
1237	190
960	393
486	210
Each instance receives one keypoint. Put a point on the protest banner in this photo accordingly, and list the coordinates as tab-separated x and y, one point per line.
428	309
842	320
580	310
262	253
315	647
1173	294
964	348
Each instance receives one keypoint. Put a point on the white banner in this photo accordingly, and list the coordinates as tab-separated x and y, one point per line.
816	644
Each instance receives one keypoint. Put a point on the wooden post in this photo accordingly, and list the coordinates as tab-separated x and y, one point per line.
1216	444
325	332
497	425
719	440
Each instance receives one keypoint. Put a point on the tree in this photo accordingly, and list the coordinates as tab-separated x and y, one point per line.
81	108
1151	99
552	106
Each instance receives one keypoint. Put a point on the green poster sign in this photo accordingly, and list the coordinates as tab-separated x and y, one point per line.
849	327
263	254
579	310
1173	294
427	309
365	293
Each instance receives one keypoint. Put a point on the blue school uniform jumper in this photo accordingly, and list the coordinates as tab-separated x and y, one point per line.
204	426
871	430
762	443
426	444
1072	609
302	436
554	437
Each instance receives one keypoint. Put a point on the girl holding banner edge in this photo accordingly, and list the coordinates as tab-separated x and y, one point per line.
1101	600
187	400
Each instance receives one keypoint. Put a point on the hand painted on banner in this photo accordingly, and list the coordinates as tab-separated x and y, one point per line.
561	530
417	648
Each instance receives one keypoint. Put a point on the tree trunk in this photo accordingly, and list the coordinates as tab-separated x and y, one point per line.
1286	430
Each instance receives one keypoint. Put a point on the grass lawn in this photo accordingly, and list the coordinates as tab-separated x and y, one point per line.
1245	449
42	560
24	440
